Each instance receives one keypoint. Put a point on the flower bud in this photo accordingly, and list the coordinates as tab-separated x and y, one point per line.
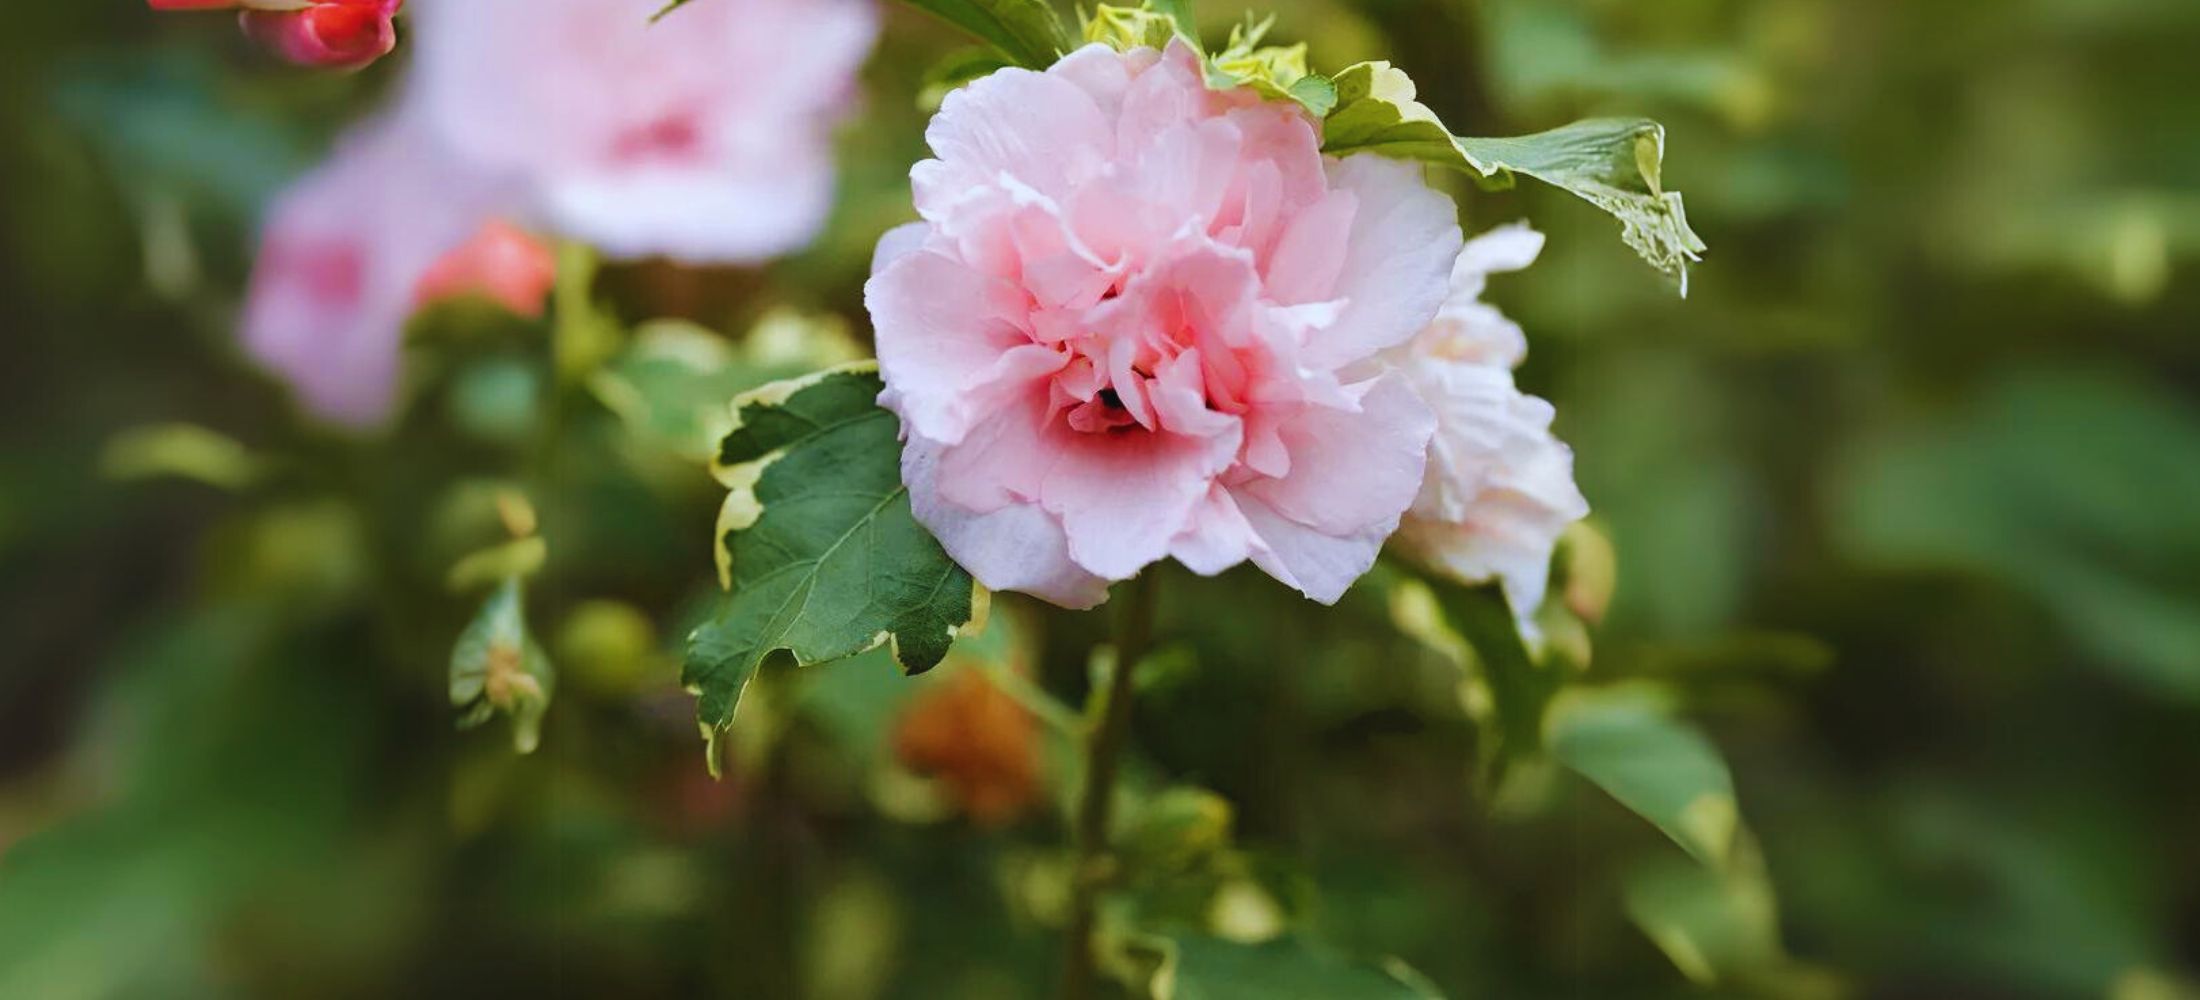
978	741
501	263
332	34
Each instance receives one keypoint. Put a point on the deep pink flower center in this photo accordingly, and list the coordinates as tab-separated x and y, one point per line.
333	274
673	136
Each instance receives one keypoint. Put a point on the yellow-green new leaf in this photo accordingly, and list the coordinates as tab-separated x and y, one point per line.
1612	163
819	549
1277	72
1125	28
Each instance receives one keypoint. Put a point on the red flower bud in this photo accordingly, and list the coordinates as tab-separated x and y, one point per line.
334	34
338	34
500	263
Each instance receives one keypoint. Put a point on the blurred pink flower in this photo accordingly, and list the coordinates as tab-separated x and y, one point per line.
705	137
1140	321
1500	487
341	260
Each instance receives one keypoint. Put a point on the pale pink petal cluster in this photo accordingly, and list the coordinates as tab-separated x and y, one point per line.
704	136
1500	486
1142	320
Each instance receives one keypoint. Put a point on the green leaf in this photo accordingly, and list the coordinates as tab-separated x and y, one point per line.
1520	689
670	386
1203	968
1025	31
187	451
1715	925
584	334
1612	163
671	381
1179	12
1626	740
516	559
817	543
498	667
166	124
1175	827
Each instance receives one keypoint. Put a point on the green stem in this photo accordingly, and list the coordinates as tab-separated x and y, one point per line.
1103	756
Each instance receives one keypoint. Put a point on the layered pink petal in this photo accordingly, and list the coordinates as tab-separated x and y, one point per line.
961	354
1499	489
1017	547
1134	323
1352	470
1322	566
1216	537
1397	262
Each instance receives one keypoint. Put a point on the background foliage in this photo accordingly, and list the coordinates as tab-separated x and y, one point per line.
1904	499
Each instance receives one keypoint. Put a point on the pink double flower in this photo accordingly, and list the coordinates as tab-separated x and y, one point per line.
334	34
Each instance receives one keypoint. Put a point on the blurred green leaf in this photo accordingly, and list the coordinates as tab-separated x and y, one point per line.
2062	485
1171	829
497	399
164	124
671	384
1716	925
1202	968
2152	984
1025	31
1179	12
517	559
1551	55
185	450
1626	740
817	543
952	72
498	667
608	647
583	334
1612	163
224	754
1519	688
